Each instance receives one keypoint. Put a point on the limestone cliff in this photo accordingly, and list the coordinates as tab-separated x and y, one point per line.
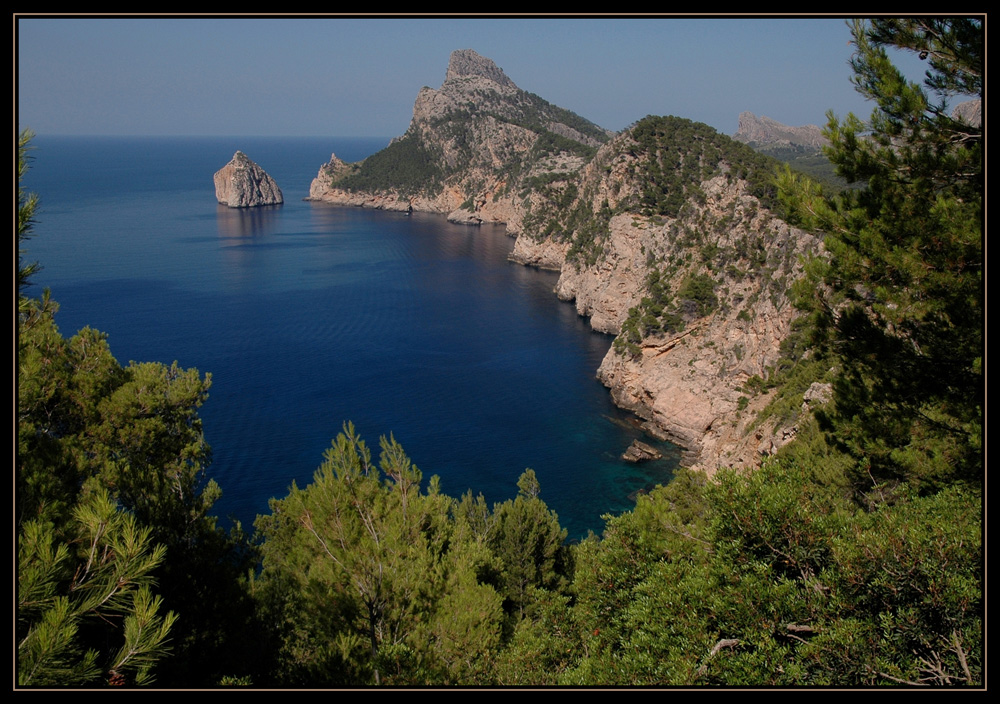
664	235
690	380
243	184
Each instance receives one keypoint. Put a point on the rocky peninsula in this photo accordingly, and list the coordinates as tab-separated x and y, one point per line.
665	235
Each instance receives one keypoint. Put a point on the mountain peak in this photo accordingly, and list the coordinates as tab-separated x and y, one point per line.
466	62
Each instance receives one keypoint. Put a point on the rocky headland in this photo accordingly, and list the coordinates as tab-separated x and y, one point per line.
243	184
472	148
665	235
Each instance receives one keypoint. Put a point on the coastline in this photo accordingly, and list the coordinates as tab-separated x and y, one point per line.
686	387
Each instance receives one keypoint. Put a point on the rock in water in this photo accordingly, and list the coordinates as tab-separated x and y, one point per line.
243	184
640	452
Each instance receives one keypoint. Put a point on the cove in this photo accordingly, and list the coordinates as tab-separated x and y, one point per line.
308	315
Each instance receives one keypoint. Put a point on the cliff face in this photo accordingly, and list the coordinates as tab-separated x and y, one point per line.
690	381
697	293
243	184
335	168
663	236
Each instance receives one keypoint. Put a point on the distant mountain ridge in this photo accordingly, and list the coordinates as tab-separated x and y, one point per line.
799	147
764	132
663	236
802	147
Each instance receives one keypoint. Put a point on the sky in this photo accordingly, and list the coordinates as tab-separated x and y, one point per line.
353	77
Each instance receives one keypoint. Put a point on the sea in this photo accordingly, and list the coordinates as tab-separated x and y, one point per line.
309	315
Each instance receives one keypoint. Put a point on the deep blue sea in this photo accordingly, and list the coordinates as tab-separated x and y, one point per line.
308	315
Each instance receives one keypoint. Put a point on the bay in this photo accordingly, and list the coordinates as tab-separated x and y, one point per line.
308	315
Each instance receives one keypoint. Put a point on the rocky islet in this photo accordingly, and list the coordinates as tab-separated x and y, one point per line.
243	184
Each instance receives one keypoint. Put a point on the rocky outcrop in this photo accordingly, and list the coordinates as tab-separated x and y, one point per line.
681	368
243	184
639	451
465	63
333	169
816	395
970	112
543	254
765	132
464	217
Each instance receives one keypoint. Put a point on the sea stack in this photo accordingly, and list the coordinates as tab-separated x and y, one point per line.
243	184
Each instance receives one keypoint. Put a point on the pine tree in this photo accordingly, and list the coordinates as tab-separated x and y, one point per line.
530	543
88	427
27	203
366	580
86	613
901	296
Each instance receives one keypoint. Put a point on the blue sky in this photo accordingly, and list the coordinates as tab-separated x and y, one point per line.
351	77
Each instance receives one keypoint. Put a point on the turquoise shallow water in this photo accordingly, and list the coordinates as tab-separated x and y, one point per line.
308	315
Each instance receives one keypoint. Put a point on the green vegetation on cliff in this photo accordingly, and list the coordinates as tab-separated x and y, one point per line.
407	166
539	114
810	161
656	170
531	112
